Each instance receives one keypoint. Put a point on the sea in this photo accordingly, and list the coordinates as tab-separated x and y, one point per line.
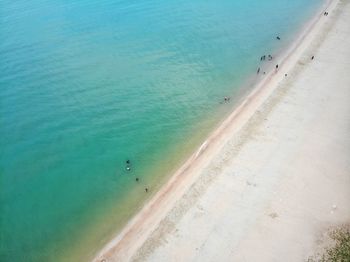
103	99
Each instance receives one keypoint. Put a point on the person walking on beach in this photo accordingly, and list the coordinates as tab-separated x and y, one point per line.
258	70
276	67
312	58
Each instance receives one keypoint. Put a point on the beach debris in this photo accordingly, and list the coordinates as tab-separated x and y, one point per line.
285	75
251	184
200	208
128	168
273	215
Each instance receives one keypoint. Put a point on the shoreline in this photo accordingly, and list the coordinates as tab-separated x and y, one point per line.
136	232
253	82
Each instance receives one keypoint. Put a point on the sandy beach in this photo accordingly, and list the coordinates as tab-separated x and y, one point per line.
275	174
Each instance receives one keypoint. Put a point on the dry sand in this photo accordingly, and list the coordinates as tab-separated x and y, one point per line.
272	177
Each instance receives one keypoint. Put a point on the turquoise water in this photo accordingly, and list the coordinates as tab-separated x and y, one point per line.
86	85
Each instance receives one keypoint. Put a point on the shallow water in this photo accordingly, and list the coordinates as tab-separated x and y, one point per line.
86	85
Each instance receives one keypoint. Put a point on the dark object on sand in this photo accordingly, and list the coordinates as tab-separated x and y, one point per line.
278	38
